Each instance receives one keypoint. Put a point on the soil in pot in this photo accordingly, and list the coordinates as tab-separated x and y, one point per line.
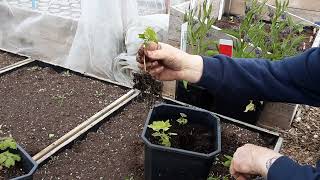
39	104
13	172
7	58
191	137
115	151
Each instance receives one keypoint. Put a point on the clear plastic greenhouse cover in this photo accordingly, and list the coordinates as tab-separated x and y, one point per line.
97	37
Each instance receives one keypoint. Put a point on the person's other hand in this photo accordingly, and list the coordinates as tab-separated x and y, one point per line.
252	160
169	63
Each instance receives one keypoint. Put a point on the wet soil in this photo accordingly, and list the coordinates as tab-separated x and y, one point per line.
7	58
39	104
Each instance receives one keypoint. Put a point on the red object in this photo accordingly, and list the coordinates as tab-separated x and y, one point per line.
226	47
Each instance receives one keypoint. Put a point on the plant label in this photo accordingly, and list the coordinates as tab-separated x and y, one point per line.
226	47
184	37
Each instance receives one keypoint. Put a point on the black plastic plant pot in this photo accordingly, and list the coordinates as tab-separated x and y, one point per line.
170	163
28	164
194	95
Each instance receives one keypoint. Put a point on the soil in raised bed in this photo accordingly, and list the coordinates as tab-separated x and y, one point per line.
7	59
39	104
115	151
191	137
233	137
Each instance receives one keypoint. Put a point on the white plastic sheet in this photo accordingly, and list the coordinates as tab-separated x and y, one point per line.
102	42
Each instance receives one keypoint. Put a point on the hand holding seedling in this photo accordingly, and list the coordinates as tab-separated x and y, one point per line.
252	160
169	63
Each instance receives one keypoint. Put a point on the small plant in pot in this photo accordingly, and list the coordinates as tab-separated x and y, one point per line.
199	22
15	163
180	142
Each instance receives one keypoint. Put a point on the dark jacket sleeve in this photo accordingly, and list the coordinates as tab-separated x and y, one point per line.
293	80
285	168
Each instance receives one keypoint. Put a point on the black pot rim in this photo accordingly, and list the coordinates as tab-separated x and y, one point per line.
182	151
29	158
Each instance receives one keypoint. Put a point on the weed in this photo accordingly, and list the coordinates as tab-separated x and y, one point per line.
59	98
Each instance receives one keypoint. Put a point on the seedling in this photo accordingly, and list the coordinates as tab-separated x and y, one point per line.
60	99
183	119
98	94
66	73
227	162
250	107
8	159
150	41
161	129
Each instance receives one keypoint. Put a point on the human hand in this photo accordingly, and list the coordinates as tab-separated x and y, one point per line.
168	63
252	160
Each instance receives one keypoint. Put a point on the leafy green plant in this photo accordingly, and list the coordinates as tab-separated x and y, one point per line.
161	129
200	23
182	119
227	162
149	35
8	159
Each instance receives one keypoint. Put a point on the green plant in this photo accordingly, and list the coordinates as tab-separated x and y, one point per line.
98	94
199	28
227	161
284	36
149	35
60	99
161	129
8	159
182	119
150	42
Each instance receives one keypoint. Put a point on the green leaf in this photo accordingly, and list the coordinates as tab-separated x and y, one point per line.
185	84
183	119
250	107
183	115
149	35
160	125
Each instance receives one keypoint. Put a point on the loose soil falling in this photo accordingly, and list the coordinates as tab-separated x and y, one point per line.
39	105
147	85
8	58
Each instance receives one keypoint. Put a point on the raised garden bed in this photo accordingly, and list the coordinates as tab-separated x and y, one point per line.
40	103
7	59
116	150
223	104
